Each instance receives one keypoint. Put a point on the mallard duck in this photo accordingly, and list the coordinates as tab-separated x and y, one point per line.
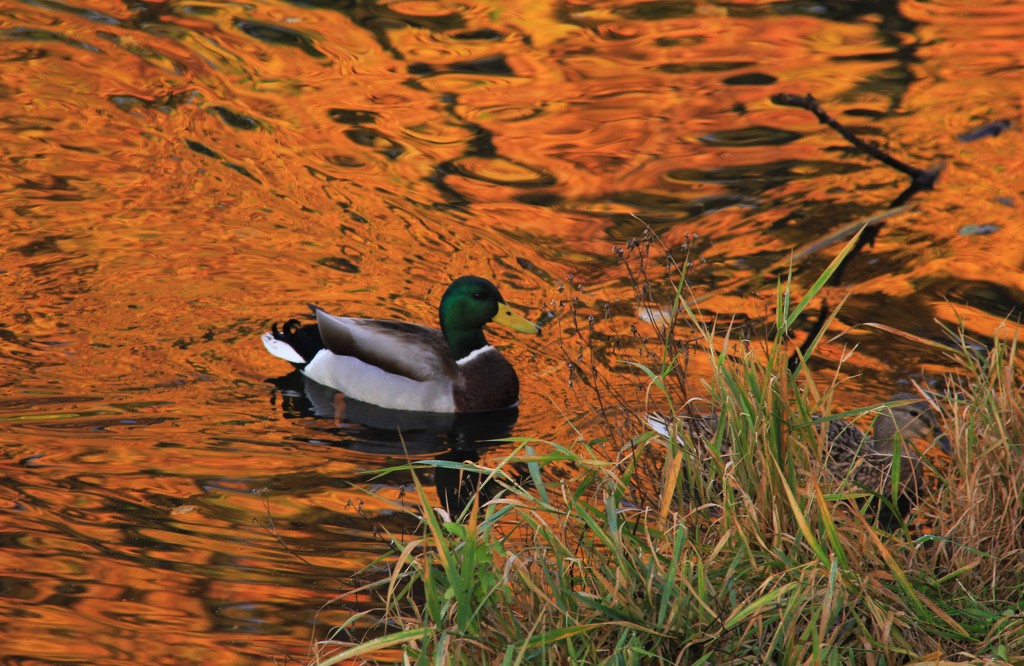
399	365
865	460
870	461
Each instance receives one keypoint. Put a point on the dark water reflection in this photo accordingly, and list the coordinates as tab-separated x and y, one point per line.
177	175
388	431
368	429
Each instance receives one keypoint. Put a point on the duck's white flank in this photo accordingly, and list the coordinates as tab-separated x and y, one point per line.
476	353
281	349
369	383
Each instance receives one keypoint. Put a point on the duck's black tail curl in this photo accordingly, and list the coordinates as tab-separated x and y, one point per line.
303	338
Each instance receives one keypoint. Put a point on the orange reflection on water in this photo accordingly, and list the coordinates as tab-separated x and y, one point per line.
177	176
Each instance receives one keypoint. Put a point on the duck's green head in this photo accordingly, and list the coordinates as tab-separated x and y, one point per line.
468	304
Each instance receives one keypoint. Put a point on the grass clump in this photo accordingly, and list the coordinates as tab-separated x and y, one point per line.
679	552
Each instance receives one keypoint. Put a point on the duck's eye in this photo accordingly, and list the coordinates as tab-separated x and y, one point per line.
479	295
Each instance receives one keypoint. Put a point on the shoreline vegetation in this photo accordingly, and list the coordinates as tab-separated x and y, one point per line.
625	547
633	548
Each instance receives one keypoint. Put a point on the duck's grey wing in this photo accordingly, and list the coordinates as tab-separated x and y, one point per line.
400	348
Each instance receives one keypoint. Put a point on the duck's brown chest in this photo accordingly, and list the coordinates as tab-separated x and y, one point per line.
486	382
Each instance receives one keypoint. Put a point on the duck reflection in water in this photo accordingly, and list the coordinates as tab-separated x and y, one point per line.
389	433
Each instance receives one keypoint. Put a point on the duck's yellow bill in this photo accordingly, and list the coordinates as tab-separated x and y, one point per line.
506	317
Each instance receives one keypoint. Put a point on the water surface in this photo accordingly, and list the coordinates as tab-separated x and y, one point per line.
178	175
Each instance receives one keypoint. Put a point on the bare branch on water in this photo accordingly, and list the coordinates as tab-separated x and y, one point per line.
920	179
